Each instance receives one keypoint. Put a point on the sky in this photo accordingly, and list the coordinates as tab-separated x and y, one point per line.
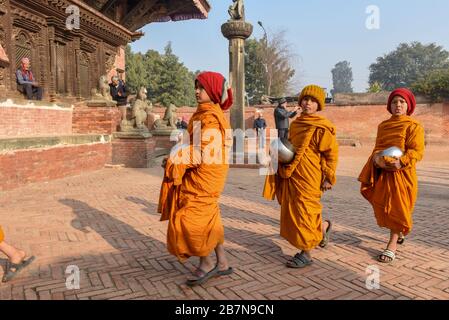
320	32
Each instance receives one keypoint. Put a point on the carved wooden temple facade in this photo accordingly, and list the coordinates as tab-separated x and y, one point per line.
68	63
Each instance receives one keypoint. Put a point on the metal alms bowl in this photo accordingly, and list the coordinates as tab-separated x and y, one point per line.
394	152
284	149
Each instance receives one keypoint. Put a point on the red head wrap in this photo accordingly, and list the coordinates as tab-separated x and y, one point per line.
407	95
217	88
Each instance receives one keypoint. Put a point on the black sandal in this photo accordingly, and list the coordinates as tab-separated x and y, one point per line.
203	276
299	261
12	269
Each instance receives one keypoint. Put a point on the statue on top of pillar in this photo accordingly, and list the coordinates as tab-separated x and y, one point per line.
237	10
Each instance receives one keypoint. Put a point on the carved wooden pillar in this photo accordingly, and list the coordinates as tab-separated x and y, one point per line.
4	57
5	36
70	69
77	54
52	50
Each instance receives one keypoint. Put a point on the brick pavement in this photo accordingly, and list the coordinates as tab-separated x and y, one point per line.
106	224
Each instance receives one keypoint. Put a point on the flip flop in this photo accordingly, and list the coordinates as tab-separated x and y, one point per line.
10	273
203	276
401	239
225	272
326	235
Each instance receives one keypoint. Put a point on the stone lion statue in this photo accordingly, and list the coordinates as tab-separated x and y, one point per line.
141	108
103	92
169	119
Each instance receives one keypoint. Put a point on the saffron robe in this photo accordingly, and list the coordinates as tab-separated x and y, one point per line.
297	185
192	185
393	193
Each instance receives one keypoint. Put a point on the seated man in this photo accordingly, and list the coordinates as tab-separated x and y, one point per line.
26	82
118	91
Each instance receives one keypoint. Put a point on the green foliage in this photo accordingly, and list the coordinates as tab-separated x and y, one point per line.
165	77
255	73
374	88
342	78
435	85
407	64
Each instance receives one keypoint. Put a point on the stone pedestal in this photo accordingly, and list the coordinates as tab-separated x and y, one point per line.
133	150
237	31
96	118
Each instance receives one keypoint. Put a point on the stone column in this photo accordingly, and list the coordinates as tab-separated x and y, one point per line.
237	31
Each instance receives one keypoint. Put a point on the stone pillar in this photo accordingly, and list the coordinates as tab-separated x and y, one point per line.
237	31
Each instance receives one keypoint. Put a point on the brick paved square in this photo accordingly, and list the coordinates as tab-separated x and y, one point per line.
106	224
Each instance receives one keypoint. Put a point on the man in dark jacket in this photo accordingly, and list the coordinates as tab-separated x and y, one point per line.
282	116
118	91
260	126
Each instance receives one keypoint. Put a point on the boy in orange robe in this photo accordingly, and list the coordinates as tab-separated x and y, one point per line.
298	186
194	178
390	184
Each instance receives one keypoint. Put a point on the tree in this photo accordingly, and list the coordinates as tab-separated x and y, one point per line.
167	79
255	72
406	65
269	67
342	78
176	83
135	66
434	85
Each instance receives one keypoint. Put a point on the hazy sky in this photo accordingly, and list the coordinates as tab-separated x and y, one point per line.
321	33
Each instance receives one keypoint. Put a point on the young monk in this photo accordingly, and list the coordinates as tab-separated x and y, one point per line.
390	184
191	187
16	258
298	186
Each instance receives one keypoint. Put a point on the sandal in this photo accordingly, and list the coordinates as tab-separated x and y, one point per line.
326	235
12	269
225	272
203	276
387	256
299	261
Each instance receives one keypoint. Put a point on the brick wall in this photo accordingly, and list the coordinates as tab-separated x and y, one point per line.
21	121
133	153
18	168
359	122
99	120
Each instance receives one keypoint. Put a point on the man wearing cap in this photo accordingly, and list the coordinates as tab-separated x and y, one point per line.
26	83
282	116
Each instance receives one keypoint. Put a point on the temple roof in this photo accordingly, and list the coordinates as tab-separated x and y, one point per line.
136	14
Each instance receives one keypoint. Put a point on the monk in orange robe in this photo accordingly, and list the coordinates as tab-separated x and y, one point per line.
16	258
195	177
390	183
298	185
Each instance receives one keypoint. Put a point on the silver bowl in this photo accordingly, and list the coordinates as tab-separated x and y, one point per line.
284	149
394	152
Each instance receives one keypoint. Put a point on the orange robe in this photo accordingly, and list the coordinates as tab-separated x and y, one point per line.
191	189
2	235
297	185
393	193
